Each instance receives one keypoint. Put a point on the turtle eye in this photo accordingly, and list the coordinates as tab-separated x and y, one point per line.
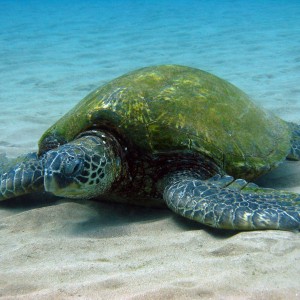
72	166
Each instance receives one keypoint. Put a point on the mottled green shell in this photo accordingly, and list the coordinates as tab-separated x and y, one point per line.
166	108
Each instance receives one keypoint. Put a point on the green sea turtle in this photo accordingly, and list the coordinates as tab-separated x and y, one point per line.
169	135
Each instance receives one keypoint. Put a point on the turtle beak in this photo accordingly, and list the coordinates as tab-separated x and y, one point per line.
56	183
49	182
53	162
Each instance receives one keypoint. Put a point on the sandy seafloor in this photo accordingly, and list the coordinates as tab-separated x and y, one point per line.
52	53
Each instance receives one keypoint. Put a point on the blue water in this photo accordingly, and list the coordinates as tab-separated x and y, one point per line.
52	53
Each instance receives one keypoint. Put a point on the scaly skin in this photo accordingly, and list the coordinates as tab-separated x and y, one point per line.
223	202
83	168
21	176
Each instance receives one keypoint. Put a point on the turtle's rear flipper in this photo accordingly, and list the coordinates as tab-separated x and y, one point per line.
223	202
20	176
295	141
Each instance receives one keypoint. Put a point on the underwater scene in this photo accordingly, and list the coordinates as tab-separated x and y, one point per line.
54	53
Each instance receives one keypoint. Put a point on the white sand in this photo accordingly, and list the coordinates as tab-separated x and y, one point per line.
88	250
53	55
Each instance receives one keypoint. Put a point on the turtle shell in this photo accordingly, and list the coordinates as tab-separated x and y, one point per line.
176	108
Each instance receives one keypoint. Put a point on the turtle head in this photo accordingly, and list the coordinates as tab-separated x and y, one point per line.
84	168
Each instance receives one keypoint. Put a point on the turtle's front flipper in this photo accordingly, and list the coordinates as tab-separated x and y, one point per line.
295	142
20	176
223	202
